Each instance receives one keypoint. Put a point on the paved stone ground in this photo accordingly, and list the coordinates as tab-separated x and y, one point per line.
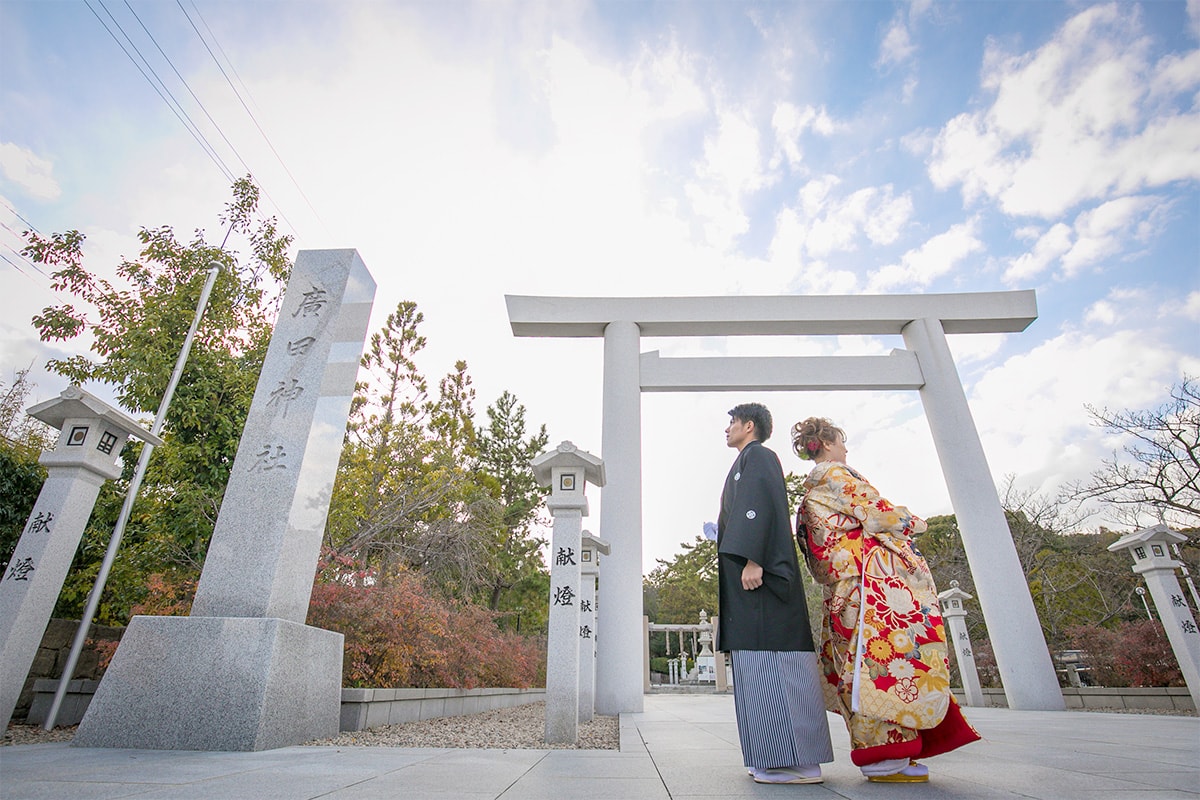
679	747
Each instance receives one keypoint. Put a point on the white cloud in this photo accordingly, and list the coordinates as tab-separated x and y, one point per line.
1030	410
823	223
29	171
790	122
1049	247
1070	121
1191	306
1100	231
938	256
665	83
1097	234
1101	312
731	167
1121	305
897	45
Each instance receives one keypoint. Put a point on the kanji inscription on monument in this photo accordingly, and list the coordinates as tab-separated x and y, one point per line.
244	668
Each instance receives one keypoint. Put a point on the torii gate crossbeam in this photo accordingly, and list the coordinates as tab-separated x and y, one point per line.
925	365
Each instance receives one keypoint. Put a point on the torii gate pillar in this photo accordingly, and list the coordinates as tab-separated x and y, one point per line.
927	366
1012	623
619	643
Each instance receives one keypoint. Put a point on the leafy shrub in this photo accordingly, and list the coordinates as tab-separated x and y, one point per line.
399	633
1129	654
168	594
663	664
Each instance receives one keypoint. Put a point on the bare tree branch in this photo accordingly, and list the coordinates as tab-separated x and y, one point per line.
1156	475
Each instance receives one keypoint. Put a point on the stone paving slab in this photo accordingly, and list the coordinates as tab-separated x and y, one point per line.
681	747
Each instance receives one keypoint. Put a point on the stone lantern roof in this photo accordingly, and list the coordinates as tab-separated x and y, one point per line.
75	403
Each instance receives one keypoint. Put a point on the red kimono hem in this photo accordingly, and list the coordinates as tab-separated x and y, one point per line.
950	734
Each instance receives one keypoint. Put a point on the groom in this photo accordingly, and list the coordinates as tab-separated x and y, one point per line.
764	618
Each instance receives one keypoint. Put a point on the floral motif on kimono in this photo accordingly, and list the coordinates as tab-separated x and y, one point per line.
885	658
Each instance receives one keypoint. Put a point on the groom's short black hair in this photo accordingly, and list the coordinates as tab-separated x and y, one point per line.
756	413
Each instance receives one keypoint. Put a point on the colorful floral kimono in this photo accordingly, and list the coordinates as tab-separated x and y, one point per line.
883	643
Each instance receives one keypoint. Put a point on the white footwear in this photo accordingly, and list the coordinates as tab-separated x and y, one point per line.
807	773
887	767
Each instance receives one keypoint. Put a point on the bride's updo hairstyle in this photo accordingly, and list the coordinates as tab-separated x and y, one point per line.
809	436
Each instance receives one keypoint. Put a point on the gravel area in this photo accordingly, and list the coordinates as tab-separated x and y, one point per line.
33	734
517	728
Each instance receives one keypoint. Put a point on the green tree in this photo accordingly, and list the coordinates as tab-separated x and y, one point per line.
136	325
686	584
517	579
419	488
22	438
392	477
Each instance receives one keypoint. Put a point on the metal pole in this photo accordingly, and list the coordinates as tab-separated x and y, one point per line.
1141	592
130	496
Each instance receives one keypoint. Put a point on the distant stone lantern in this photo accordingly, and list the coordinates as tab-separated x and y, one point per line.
91	436
1150	548
566	470
706	663
954	612
589	571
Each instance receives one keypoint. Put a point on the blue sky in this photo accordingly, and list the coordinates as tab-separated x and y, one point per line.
469	150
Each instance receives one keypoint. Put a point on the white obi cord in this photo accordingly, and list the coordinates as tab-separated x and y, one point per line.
859	650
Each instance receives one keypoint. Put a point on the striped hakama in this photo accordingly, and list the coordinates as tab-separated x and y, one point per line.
780	710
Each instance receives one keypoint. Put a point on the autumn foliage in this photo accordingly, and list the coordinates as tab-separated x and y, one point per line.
400	633
1129	654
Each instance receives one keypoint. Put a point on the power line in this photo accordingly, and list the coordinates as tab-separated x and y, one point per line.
175	106
179	113
186	86
15	265
200	103
19	254
250	113
17	214
224	55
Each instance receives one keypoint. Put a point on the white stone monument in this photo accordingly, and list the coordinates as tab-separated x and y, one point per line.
925	366
91	436
244	672
589	573
1150	548
567	471
954	612
706	663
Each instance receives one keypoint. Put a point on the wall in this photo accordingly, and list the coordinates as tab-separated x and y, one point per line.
52	657
1174	698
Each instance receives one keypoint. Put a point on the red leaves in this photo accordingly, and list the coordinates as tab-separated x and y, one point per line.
399	633
1130	654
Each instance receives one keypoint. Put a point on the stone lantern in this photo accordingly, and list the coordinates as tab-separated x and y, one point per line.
706	662
1150	548
589	569
954	612
566	470
91	435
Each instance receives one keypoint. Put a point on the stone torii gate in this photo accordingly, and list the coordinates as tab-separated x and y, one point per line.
925	365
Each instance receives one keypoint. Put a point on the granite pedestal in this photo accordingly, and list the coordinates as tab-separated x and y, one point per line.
218	683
